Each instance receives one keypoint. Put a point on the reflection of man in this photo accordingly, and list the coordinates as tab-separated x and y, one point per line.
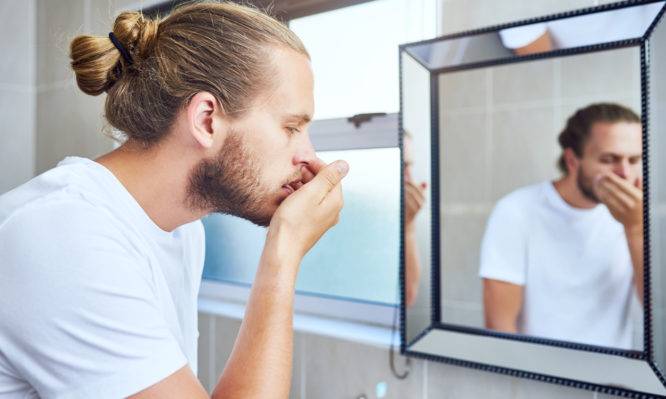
561	260
414	200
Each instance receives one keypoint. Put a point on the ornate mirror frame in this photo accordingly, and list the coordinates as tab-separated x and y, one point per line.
629	373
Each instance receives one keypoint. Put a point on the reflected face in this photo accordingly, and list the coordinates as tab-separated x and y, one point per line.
611	148
262	159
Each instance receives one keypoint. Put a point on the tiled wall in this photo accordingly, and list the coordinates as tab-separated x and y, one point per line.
17	92
337	369
44	117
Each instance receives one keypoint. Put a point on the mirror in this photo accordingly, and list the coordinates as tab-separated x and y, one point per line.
543	243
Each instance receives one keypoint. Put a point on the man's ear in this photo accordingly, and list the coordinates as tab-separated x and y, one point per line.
203	112
571	160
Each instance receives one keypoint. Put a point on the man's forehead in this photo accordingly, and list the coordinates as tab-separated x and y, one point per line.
618	137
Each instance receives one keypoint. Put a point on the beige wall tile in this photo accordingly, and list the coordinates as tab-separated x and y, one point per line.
524	149
205	351
461	240
69	122
17	41
17	138
341	369
58	22
462	157
468	315
462	90
611	74
226	330
524	81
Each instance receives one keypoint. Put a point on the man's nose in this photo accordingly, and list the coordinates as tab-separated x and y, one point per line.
622	169
305	153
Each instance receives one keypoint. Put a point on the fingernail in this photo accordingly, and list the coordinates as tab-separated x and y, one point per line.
342	167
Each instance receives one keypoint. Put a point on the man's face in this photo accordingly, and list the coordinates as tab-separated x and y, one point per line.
611	148
262	159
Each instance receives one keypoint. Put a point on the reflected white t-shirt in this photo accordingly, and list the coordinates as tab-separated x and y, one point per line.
96	301
574	264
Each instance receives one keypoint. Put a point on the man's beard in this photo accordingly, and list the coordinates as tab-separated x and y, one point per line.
585	185
230	183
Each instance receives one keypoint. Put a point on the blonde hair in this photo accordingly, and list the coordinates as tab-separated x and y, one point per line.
221	48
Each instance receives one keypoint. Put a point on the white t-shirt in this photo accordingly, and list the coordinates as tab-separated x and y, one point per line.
96	301
574	264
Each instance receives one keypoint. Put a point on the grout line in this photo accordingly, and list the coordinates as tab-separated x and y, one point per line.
425	379
212	339
303	368
489	133
87	16
61	84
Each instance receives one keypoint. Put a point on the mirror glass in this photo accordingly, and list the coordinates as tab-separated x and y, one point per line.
601	27
499	151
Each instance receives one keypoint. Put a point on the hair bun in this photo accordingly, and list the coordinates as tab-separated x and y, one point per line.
96	61
137	34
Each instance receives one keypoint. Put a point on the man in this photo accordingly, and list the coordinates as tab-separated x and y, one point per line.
101	260
563	260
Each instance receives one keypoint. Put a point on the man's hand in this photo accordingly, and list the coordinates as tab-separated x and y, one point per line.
414	200
623	199
309	212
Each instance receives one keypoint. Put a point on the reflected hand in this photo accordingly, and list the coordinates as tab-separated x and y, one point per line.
623	199
305	215
414	200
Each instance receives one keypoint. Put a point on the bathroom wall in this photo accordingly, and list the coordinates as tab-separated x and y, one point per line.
44	117
17	92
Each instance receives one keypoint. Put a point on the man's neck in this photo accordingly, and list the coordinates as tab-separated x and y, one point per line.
567	188
157	178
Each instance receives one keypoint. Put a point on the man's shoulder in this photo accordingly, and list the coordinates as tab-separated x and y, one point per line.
523	198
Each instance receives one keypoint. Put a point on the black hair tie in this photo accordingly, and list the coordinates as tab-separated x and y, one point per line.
120	48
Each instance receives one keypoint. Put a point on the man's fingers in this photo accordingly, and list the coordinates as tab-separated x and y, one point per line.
414	190
327	178
615	183
613	195
311	170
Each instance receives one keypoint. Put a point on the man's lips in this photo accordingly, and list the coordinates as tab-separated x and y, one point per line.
292	186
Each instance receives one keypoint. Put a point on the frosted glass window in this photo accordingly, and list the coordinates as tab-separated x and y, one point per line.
354	52
357	259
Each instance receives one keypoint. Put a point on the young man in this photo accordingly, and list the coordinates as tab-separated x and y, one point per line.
101	260
562	260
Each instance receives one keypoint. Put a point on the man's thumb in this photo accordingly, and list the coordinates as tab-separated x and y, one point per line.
330	176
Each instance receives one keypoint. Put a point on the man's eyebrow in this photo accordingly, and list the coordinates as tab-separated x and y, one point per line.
305	118
617	155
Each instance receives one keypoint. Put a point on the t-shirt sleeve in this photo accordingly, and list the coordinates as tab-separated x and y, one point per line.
504	244
87	321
